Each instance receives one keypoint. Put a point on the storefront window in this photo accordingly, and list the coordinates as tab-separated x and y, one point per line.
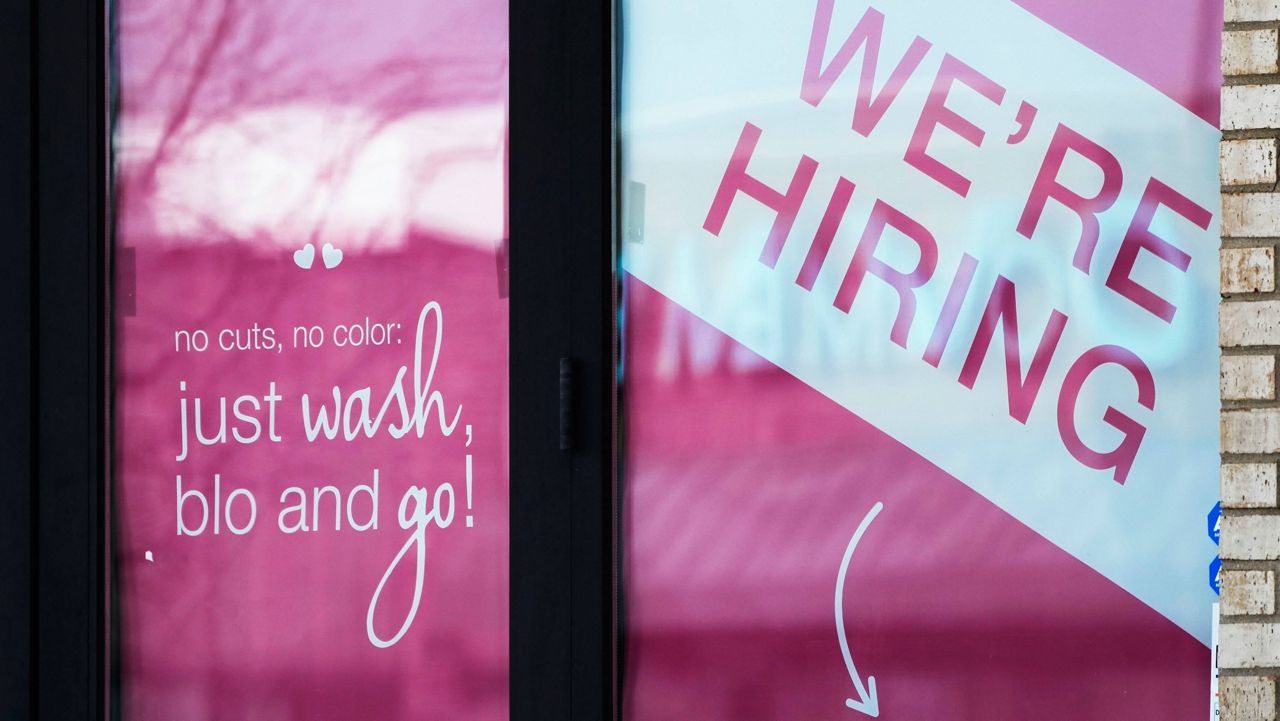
919	359
310	483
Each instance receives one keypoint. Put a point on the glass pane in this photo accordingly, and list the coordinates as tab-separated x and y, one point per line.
920	358
310	360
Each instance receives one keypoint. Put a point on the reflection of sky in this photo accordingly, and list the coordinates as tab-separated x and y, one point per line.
284	122
333	173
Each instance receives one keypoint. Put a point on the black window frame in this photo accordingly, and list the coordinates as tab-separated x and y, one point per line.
53	320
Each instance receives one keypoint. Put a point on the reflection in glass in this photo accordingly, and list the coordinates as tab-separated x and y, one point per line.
306	192
892	449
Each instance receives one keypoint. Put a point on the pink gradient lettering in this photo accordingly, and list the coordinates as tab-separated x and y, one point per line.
736	180
950	310
1140	238
936	113
1120	458
1002	308
864	261
1046	186
870	106
826	233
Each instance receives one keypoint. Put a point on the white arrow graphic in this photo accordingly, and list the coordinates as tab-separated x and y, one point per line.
867	702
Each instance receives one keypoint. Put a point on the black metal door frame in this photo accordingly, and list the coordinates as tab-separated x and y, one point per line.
563	298
53	318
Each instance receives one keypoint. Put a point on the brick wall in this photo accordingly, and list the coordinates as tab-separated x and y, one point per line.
1249	640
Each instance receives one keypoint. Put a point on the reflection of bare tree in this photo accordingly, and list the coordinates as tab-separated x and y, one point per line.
191	65
178	115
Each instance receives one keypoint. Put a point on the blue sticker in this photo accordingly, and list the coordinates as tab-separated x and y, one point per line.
1215	521
1215	575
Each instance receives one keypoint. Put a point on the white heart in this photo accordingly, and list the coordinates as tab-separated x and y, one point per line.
305	256
331	255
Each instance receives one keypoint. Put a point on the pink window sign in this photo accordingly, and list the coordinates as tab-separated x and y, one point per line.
310	360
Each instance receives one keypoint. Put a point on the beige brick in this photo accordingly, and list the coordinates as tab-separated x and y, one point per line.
1250	106
1251	431
1247	270
1248	11
1247	377
1247	698
1248	593
1250	215
1249	52
1248	485
1250	538
1248	645
1249	324
1247	162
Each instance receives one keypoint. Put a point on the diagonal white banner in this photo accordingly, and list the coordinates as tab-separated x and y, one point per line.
879	244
